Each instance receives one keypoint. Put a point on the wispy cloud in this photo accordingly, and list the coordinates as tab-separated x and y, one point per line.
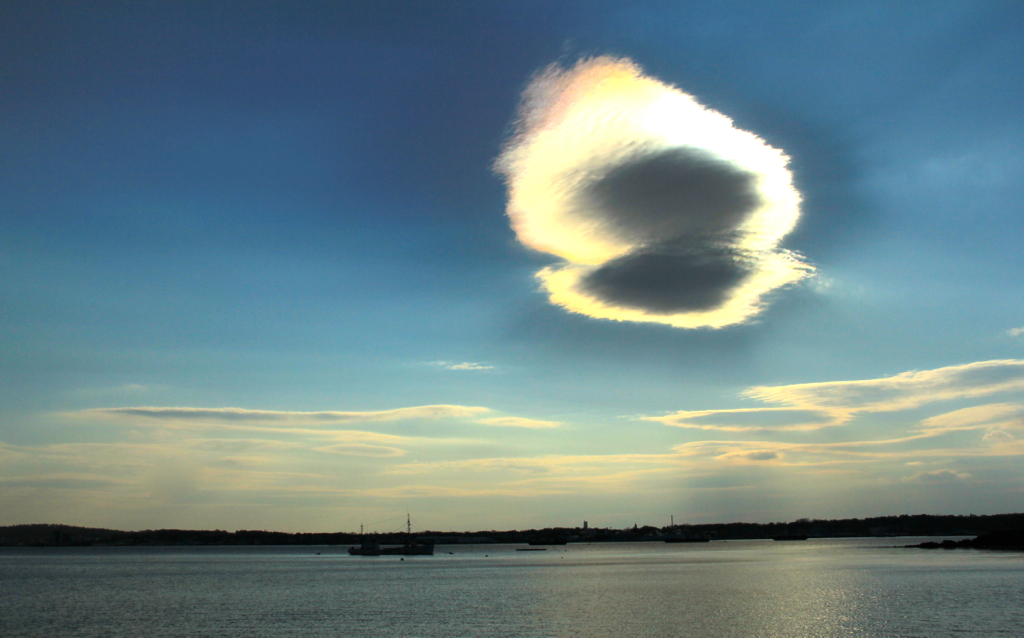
939	476
469	366
999	436
661	209
811	406
361	449
991	415
902	391
241	415
1015	332
465	365
546	464
519	422
802	454
753	419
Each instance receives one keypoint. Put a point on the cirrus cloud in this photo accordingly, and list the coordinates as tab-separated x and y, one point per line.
939	476
661	209
361	449
468	365
241	415
810	406
519	422
902	391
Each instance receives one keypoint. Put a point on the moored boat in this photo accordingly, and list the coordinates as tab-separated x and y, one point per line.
366	548
408	548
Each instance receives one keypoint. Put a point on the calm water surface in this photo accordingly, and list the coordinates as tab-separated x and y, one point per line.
746	589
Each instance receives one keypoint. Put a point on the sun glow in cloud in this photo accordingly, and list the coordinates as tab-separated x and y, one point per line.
661	209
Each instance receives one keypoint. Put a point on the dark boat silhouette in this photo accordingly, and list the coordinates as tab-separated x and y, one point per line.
373	548
408	548
790	537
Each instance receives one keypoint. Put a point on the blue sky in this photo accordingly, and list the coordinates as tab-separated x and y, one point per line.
257	271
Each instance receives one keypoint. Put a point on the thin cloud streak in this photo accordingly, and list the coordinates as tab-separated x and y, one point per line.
812	406
519	422
465	365
469	366
992	415
361	449
241	415
732	420
661	209
902	391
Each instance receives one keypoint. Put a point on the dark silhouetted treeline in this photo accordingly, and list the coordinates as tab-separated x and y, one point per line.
904	525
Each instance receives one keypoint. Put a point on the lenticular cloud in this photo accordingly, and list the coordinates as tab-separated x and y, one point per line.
662	210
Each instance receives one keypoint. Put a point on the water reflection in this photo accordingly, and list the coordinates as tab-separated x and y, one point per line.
745	589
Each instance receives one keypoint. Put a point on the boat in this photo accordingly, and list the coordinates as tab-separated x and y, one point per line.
790	537
408	548
366	548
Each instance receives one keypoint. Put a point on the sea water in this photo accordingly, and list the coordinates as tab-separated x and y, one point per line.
743	589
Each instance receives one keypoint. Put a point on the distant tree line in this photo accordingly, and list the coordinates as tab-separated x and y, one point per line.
903	525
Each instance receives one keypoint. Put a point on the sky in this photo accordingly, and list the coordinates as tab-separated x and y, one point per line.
306	266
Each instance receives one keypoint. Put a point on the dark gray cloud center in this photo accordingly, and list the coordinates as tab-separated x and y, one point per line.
683	207
667	279
671	194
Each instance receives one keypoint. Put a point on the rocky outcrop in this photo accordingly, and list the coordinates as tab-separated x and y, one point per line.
1005	540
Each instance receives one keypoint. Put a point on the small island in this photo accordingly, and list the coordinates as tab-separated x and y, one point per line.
1005	540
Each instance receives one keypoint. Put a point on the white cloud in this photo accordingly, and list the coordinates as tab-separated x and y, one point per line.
661	209
465	365
469	366
1015	332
